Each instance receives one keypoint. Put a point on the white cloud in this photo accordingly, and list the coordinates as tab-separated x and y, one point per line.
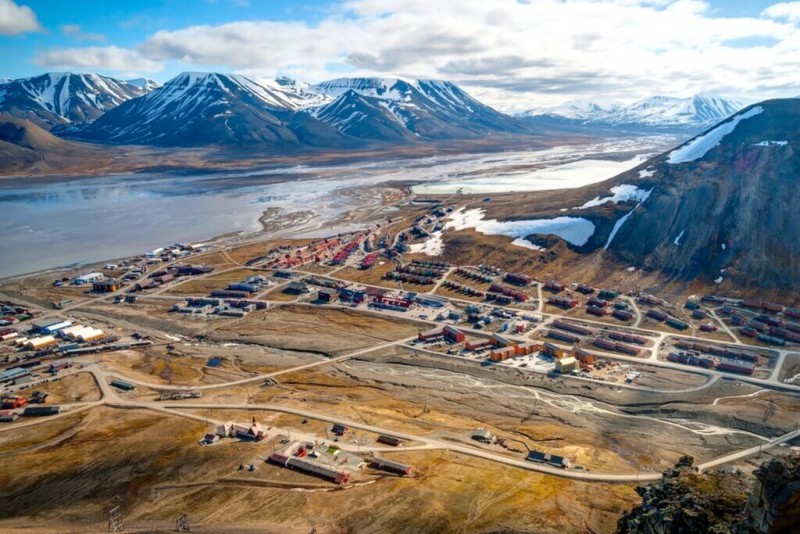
783	10
75	32
98	58
16	19
509	53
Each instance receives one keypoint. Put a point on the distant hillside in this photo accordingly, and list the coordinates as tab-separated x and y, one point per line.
651	115
26	147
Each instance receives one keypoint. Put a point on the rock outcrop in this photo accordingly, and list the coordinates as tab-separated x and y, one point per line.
724	501
774	504
687	502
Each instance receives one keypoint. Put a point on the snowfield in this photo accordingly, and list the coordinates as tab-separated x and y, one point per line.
573	230
699	146
622	193
433	246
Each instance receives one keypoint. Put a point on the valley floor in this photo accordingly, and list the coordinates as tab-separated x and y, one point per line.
296	365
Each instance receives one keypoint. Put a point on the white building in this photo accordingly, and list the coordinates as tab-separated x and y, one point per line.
88	278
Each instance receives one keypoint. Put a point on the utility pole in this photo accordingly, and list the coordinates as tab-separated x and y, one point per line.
770	411
115	522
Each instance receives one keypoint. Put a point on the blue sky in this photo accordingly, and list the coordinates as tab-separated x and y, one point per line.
512	53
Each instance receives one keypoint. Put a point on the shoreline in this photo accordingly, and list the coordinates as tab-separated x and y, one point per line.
276	222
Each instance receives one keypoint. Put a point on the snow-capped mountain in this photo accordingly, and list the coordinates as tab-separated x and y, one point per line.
575	110
144	83
699	111
656	113
377	108
721	206
207	108
63	98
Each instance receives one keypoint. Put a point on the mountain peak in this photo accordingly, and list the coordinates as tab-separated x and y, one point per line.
55	98
697	113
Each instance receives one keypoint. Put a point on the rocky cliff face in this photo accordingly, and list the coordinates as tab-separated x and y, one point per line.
721	207
686	502
774	504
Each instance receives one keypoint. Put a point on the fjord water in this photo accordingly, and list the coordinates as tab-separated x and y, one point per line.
51	223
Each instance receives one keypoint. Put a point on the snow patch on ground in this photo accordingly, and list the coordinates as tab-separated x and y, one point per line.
772	143
631	269
649	172
574	230
622	193
524	243
718	280
433	246
678	239
699	146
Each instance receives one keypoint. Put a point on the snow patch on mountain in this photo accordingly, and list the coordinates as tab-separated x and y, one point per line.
622	193
574	230
699	146
772	143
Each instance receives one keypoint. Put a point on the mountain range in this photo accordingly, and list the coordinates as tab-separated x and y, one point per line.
210	108
201	109
659	113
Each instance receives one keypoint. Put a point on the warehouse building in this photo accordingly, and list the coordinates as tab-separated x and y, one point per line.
309	467
106	286
448	333
566	365
382	464
389	440
40	342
